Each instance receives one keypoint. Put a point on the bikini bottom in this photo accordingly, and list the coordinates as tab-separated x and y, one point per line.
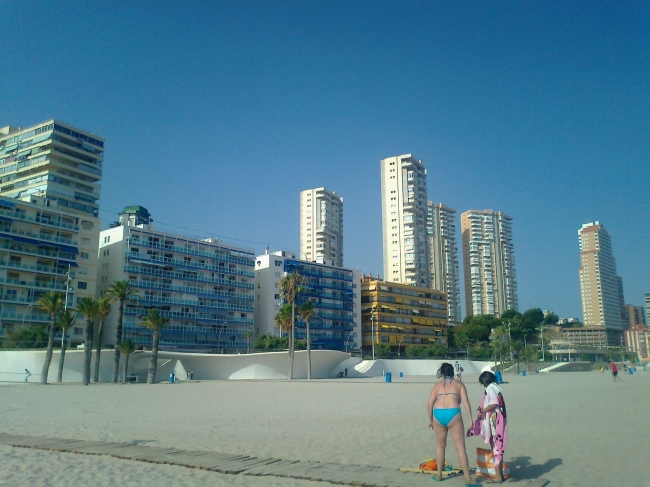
445	415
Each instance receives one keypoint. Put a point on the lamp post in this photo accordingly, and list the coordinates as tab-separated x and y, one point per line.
541	332
399	343
372	331
219	337
29	306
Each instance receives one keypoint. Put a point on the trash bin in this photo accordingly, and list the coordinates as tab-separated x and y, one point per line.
389	377
631	371
523	372
498	376
401	374
172	377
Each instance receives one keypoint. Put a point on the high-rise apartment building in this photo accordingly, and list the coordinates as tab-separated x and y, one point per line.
489	262
404	220
443	256
635	316
600	287
205	287
321	226
49	175
332	290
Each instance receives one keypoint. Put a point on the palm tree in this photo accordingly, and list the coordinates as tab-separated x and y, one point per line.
249	336
517	347
89	308
155	322
52	302
64	321
283	318
307	312
127	347
529	353
290	286
102	312
499	332
123	292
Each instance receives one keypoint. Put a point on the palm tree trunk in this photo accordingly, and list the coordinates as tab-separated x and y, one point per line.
48	354
59	375
88	351
153	363
292	339
118	339
308	351
126	367
98	350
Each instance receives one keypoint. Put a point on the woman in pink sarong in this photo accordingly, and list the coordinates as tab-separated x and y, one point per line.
494	424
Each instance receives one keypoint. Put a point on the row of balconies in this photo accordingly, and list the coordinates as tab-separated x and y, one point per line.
40	220
187	277
182	250
189	290
134	311
188	302
186	264
59	271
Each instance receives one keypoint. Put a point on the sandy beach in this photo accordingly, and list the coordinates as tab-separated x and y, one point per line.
562	427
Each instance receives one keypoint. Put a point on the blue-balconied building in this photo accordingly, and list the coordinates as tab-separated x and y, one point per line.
203	286
332	290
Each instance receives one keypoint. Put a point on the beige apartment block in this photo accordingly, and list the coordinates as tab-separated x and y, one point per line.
600	287
50	230
634	315
321	226
404	220
443	256
489	262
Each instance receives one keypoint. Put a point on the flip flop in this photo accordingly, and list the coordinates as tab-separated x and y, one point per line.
436	478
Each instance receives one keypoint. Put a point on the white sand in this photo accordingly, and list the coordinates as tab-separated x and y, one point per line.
562	427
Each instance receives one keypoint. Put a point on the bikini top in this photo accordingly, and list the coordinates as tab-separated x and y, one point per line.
446	393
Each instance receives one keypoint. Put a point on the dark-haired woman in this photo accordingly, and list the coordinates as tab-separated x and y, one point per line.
444	416
494	427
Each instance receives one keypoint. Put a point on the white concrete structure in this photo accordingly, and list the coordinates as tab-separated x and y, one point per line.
321	226
203	285
404	214
48	219
334	291
443	256
489	263
255	366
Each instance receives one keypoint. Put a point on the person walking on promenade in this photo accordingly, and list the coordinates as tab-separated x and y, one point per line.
615	372
28	374
445	416
494	425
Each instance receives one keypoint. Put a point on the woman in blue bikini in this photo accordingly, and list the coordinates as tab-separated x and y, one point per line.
445	416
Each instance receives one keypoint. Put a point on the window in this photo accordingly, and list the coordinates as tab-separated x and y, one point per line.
84	255
278	263
277	296
78	331
85	241
83	270
82	285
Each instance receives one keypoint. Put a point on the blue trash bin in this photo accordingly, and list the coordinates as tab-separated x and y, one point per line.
401	374
172	377
523	372
389	377
498	376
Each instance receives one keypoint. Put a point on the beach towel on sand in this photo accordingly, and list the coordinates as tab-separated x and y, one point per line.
430	466
485	464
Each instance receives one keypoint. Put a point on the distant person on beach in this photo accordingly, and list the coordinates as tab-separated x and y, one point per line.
494	425
460	372
346	371
28	374
615	372
602	369
445	416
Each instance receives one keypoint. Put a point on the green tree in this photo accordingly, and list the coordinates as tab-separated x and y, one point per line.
123	292
307	312
511	314
155	322
529	354
51	302
461	337
531	319
102	312
517	347
127	347
436	350
382	351
413	351
290	286
551	319
32	337
65	321
88	307
249	334
270	342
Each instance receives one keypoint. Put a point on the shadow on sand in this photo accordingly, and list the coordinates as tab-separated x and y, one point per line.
522	468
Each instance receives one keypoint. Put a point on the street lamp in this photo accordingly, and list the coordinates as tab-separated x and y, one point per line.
219	337
541	332
349	340
29	306
372	331
399	342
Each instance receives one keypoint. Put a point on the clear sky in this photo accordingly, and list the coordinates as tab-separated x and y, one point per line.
217	114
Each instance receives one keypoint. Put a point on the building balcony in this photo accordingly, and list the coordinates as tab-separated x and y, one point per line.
19	249
34	284
187	277
131	311
146	259
200	253
38	220
148	299
26	317
308	270
190	290
57	271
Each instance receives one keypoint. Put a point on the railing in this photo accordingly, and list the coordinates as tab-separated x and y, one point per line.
41	285
189	265
38	220
187	277
27	317
198	304
41	253
190	316
37	268
189	290
182	250
322	294
304	270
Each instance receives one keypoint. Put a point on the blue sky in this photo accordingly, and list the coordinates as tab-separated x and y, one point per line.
217	114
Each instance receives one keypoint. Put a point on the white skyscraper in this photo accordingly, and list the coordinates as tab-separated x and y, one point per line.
321	226
404	215
443	256
489	263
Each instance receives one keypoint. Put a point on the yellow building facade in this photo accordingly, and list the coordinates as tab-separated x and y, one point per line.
399	315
